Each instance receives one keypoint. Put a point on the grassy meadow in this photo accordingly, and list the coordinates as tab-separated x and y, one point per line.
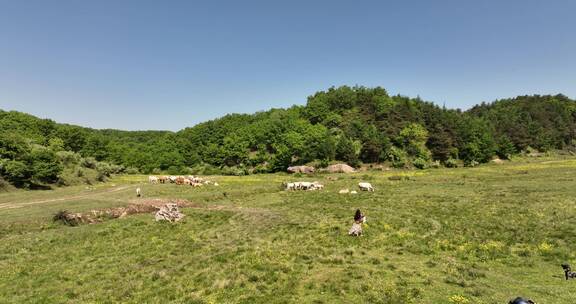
465	235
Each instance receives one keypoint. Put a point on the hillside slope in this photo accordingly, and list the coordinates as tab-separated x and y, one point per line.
350	124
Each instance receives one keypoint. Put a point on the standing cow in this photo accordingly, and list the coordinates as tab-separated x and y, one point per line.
366	187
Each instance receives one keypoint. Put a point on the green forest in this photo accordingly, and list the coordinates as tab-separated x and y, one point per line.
356	125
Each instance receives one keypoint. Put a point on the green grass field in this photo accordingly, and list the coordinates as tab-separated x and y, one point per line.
467	235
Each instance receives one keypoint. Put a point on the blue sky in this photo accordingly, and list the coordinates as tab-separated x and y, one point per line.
171	64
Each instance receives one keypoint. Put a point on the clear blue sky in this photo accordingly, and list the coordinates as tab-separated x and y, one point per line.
171	64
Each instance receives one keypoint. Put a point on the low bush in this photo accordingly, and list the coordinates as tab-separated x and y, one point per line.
451	163
420	163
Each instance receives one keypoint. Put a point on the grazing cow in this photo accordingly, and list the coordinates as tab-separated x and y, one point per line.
152	179
303	186
366	187
301	169
317	186
162	179
138	192
568	273
172	178
187	182
179	180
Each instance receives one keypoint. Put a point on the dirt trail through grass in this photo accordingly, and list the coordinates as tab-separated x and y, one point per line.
13	205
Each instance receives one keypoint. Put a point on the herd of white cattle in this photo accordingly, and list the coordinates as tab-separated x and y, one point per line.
190	180
196	181
318	186
304	186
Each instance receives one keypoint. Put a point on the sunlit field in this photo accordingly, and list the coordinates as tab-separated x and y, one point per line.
465	235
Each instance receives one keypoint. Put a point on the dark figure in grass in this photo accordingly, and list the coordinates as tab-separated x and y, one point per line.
359	219
568	272
521	301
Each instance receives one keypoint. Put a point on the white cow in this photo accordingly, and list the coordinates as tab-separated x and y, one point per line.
290	186
152	179
197	179
366	187
138	192
317	186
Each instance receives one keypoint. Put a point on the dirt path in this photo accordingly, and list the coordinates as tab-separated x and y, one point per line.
13	205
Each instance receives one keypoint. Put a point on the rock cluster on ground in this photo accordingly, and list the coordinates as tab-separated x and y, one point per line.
163	209
340	168
169	212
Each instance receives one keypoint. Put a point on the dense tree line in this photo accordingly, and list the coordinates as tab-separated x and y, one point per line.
351	124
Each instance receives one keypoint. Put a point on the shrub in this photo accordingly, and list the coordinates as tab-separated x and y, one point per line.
156	171
69	158
205	169
65	218
88	162
323	163
117	169
104	169
261	168
131	170
420	163
16	172
471	163
435	164
4	185
451	163
44	165
234	170
398	157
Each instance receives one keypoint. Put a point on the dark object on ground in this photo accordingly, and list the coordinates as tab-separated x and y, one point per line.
358	216
398	177
520	300
71	219
568	273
